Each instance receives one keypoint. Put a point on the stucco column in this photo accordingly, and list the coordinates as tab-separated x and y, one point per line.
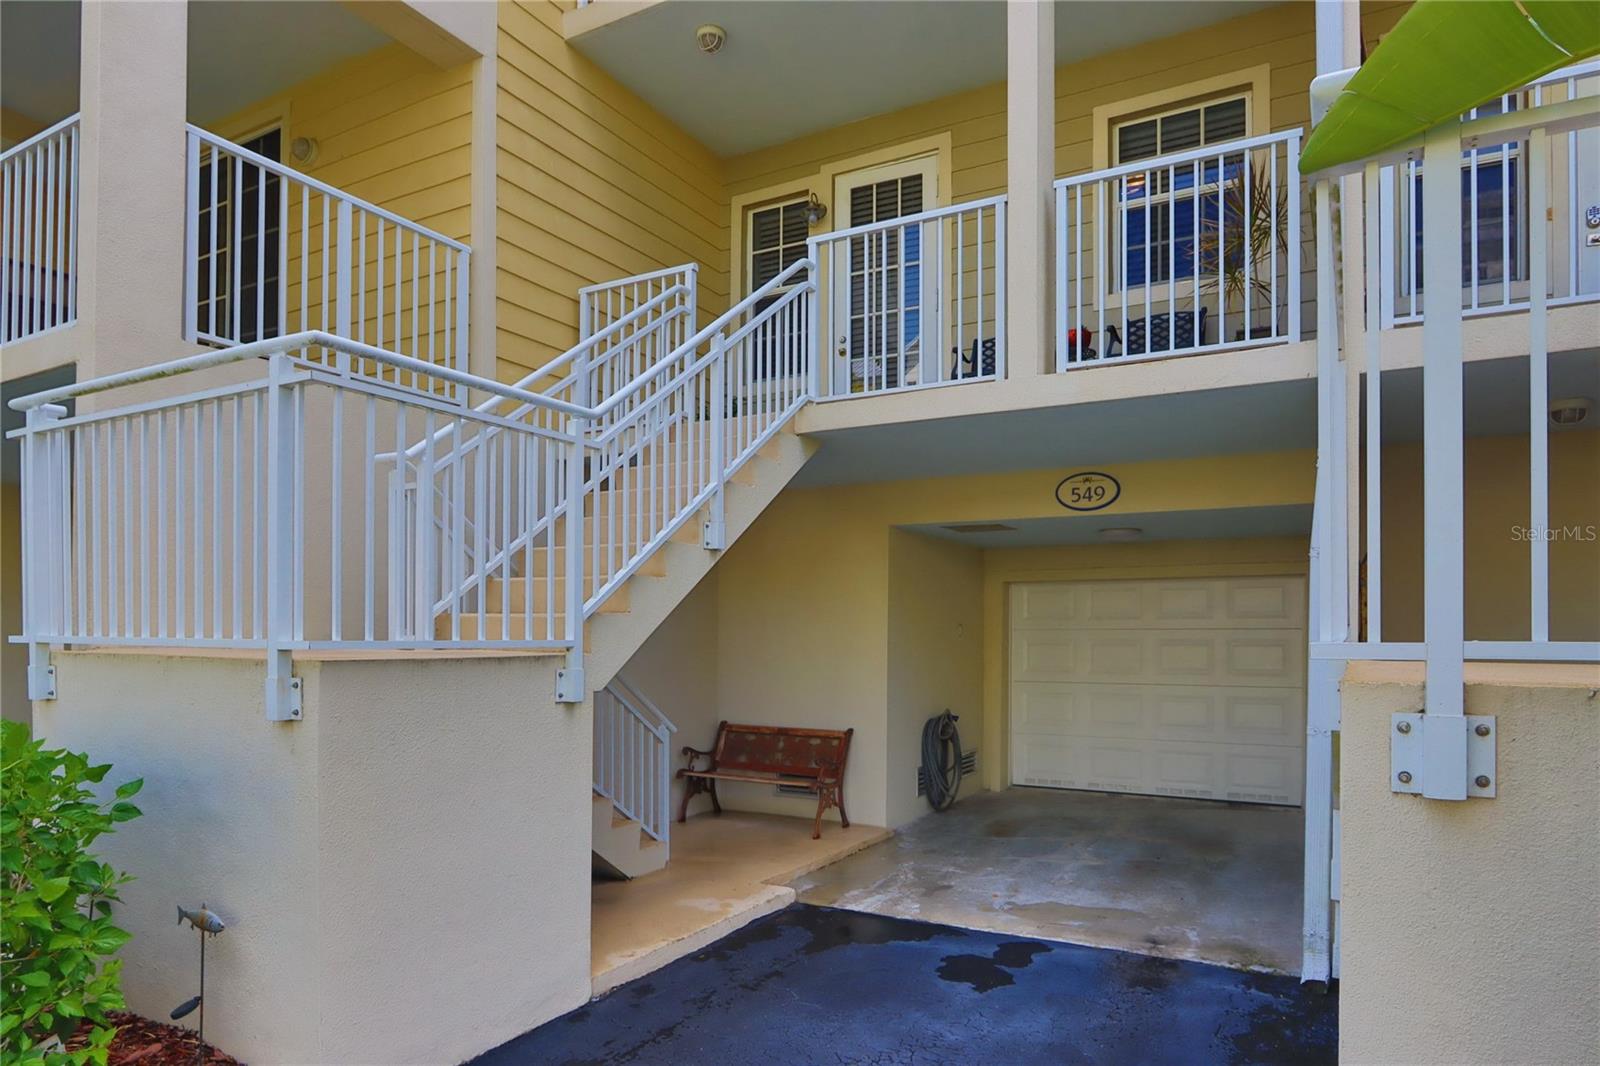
131	181
1030	168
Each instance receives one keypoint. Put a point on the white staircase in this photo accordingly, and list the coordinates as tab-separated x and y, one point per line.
633	756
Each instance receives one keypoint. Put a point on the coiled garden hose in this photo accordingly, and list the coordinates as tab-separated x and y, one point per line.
941	760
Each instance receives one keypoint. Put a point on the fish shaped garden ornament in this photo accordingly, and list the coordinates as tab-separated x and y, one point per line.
202	919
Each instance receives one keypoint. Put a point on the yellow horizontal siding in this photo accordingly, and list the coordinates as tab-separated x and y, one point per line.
593	184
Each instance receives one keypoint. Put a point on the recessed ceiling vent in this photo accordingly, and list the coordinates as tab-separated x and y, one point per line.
983	527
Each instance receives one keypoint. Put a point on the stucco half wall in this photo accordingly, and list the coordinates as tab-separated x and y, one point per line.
1471	931
397	857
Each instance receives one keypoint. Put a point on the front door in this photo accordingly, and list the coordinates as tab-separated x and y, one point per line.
882	284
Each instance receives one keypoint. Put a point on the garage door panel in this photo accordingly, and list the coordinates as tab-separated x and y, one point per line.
1168	687
1175	657
1174	603
1161	768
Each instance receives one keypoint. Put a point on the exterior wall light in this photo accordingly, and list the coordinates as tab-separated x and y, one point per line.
816	211
711	38
304	150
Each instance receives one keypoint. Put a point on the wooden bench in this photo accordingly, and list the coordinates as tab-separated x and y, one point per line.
812	759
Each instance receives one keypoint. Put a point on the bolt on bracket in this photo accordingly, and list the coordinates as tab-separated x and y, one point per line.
1415	765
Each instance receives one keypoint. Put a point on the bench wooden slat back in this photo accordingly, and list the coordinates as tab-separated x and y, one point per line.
777	750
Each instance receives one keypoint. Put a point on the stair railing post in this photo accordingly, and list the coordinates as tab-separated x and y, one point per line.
282	688
569	680
814	324
343	318
715	534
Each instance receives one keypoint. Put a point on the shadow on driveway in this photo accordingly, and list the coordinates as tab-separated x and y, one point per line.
817	985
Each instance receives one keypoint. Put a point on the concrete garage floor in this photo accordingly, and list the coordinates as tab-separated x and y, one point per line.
1183	879
812	985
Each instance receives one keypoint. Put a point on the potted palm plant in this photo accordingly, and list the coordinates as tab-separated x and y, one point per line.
1252	223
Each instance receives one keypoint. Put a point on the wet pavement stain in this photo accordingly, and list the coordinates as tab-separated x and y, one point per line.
987	973
811	985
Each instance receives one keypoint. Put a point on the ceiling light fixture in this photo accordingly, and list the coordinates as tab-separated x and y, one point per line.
982	527
711	38
1121	533
1570	411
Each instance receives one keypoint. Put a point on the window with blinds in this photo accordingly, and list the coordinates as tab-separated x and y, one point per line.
1159	205
777	240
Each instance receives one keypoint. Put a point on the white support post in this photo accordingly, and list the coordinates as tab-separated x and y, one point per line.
1030	172
1539	382
570	686
283	688
1445	729
814	325
46	532
1322	721
715	537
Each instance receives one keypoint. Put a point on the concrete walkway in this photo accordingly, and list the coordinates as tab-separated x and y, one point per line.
815	985
1184	879
726	870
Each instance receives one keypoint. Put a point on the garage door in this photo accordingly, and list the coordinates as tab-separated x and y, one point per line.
1191	687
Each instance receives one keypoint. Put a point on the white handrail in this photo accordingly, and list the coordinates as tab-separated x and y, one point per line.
38	138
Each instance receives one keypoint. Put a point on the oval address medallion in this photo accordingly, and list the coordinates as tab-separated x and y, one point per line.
1088	491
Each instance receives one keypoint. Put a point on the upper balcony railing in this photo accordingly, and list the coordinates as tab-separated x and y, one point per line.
913	302
1496	240
270	251
39	233
1178	254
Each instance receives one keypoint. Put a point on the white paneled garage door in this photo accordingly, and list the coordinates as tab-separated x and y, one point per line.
1171	687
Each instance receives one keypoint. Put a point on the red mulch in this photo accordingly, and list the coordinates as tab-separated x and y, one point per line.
147	1043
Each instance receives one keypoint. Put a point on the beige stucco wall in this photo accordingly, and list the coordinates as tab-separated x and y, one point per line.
935	636
400	852
1471	931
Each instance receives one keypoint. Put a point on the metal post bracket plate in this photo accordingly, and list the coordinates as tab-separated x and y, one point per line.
1410	763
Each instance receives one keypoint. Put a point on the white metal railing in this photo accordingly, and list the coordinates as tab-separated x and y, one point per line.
259	514
270	251
633	757
1495	231
474	558
673	290
1352	624
39	233
664	446
913	302
1191	252
341	500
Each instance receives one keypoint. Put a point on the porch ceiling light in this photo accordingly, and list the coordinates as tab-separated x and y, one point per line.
1121	533
982	527
711	38
1570	411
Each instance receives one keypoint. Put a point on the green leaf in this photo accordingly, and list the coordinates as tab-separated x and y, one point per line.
51	890
130	789
34	979
124	812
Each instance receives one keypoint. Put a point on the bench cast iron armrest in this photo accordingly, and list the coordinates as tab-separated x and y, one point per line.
693	753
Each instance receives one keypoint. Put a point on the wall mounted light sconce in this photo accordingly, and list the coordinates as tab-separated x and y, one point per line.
304	150
816	211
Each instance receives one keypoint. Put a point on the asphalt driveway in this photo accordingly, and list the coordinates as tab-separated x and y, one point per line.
818	985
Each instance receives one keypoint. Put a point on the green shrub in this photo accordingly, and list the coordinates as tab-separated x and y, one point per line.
55	903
